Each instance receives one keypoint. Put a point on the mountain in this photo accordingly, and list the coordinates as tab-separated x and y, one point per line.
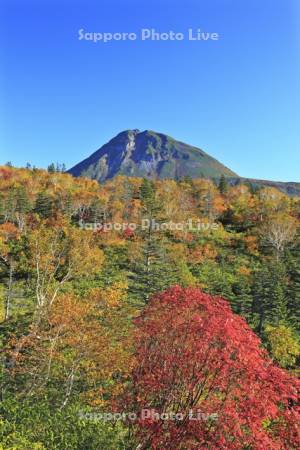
149	154
290	188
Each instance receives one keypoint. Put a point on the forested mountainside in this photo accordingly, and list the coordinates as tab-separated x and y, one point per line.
287	187
135	294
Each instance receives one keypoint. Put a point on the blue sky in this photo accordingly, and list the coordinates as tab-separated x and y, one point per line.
237	98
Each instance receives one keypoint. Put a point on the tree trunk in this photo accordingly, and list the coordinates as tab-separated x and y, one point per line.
9	292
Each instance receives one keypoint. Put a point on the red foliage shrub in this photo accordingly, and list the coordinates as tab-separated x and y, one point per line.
194	354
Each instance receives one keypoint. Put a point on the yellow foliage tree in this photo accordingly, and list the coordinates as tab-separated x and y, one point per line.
284	346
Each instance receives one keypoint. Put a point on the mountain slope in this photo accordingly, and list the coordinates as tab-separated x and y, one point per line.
149	154
290	188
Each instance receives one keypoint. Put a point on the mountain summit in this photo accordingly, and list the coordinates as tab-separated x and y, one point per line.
149	154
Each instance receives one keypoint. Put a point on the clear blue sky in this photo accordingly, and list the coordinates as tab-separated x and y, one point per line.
237	98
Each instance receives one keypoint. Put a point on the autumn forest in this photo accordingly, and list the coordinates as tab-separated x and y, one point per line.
138	314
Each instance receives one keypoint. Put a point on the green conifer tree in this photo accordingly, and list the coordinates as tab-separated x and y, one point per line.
293	269
51	168
223	185
270	295
44	205
152	272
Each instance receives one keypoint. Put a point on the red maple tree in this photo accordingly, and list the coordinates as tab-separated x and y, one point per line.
203	381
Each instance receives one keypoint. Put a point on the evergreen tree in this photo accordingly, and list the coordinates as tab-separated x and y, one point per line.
127	197
22	206
216	277
51	168
44	205
293	269
253	189
223	185
60	168
16	206
22	200
147	196
270	295
66	205
242	298
151	272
